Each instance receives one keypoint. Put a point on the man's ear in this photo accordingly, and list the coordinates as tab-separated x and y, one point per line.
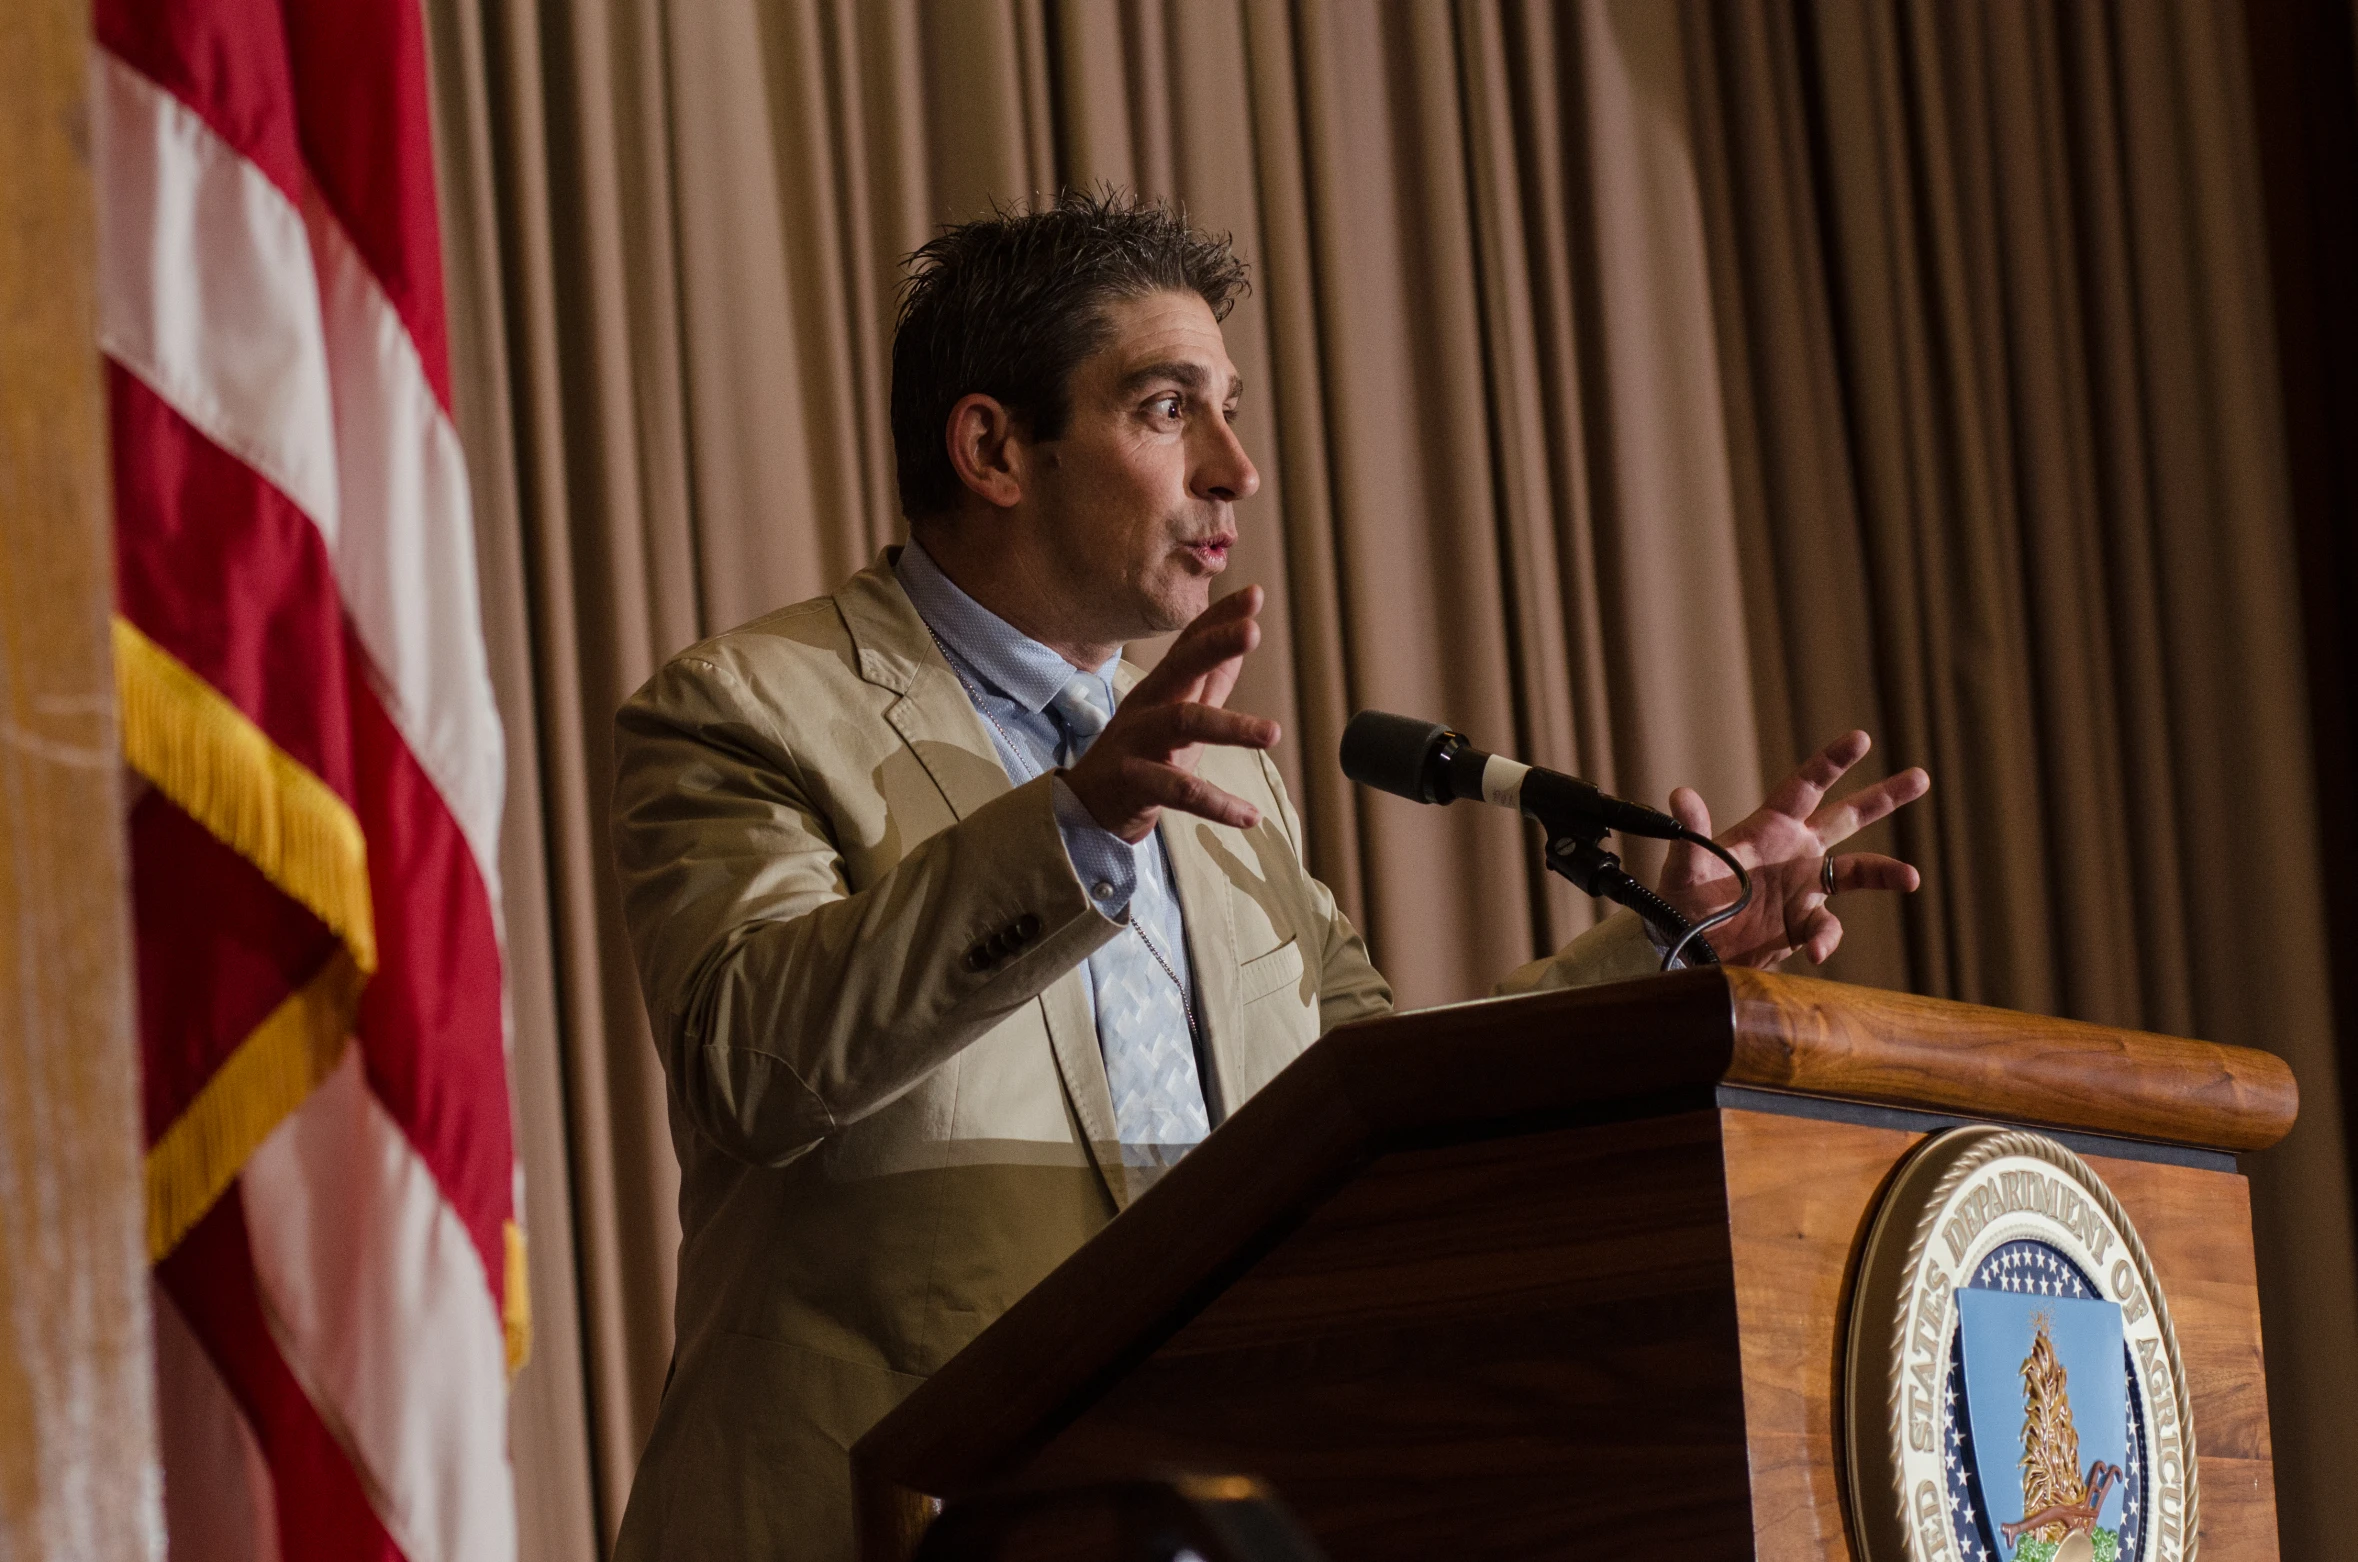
988	448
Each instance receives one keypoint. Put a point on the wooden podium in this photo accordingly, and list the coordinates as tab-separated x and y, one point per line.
1566	1275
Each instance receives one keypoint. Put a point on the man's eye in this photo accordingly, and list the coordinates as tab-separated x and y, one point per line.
1165	406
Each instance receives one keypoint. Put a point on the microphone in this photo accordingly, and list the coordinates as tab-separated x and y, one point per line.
1426	763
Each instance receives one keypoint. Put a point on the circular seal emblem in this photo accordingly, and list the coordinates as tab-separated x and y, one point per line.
2012	1388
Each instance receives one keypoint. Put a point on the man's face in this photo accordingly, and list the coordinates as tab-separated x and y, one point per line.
1135	502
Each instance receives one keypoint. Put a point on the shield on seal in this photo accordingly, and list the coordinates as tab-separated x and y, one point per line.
2047	1401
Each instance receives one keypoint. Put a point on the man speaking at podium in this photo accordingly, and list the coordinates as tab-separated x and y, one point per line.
954	930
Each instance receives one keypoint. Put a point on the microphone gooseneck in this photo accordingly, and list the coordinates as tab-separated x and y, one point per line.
1428	763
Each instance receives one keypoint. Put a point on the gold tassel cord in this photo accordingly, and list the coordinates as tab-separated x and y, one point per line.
221	769
226	773
268	1076
517	1311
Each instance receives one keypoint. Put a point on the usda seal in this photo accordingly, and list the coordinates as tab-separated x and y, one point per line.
2012	1390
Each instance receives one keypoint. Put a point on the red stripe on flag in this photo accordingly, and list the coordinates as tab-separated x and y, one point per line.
431	1023
322	1510
361	104
328	93
329	100
225	59
219	948
220	569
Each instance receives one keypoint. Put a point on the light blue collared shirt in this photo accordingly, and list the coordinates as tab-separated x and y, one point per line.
1011	678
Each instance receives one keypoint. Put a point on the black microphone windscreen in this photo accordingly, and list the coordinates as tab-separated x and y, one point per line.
1392	754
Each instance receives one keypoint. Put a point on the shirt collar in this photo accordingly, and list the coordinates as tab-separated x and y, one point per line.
1006	659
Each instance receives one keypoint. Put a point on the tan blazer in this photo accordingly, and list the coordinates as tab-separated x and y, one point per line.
862	952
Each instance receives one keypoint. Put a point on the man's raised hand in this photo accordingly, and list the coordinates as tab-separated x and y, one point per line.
1145	759
1785	844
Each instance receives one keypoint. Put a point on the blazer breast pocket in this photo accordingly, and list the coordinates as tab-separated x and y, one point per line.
1279	969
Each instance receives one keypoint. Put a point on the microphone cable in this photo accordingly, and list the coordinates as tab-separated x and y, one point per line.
1695	931
1582	859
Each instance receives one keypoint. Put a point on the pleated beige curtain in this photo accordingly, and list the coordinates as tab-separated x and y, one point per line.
1654	387
1999	351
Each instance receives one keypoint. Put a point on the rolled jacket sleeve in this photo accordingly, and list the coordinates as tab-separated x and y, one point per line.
1619	949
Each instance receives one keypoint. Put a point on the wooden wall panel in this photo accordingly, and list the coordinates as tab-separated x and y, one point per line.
77	1456
1800	1192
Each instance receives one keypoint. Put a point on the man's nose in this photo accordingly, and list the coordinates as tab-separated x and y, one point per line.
1225	471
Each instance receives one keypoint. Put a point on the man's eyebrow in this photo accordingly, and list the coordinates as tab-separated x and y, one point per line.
1178	371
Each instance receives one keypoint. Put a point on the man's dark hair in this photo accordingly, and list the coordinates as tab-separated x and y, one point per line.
1008	305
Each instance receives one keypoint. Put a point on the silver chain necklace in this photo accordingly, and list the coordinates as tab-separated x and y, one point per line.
1186	1008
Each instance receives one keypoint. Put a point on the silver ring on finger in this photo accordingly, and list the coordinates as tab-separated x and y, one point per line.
1826	876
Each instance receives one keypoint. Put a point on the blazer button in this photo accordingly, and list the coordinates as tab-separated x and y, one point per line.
1027	927
977	958
999	945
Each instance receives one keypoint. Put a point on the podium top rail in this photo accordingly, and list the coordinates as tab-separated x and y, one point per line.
1582	1047
1510	1065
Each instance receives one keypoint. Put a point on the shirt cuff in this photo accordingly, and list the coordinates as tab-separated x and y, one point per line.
1106	865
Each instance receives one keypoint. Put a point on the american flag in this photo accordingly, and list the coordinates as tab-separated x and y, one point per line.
305	697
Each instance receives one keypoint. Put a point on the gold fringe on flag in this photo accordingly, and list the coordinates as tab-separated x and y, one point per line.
518	1307
268	1076
209	757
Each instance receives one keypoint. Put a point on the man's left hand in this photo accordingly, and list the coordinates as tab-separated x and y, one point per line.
1784	844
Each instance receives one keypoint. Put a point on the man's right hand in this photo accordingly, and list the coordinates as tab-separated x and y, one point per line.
1144	761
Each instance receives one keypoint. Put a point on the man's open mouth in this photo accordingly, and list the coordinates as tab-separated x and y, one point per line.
1212	552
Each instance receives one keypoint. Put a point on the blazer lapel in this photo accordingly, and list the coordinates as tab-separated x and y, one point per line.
1204	907
936	717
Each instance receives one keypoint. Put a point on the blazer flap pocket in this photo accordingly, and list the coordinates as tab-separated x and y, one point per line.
1265	974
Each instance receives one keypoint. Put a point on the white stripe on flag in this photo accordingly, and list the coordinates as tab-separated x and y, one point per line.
376	1295
405	558
206	289
219	1497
